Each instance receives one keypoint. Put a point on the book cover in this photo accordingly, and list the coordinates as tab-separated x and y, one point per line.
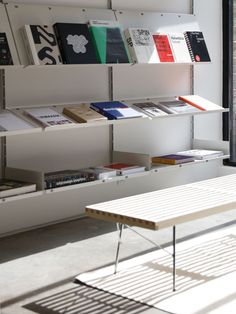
163	47
178	106
83	114
199	102
5	53
150	109
179	48
47	117
201	154
13	187
109	42
100	173
172	159
41	45
11	122
141	45
197	46
66	177
75	43
115	110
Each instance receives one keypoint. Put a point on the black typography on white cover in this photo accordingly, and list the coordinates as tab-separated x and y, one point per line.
41	45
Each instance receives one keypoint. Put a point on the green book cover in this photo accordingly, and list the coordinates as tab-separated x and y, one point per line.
109	42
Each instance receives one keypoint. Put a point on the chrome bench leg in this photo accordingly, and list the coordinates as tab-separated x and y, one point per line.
120	229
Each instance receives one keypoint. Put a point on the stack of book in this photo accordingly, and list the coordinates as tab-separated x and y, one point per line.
125	168
172	159
100	173
201	154
13	187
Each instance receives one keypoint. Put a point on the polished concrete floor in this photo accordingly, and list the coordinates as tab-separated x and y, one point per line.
38	267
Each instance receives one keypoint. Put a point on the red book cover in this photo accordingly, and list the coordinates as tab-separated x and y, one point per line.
119	166
163	48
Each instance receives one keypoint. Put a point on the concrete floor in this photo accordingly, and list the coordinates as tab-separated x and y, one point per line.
37	268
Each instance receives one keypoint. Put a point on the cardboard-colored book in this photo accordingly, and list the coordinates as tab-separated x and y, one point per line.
83	113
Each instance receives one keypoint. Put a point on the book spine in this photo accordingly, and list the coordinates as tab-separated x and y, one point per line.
30	45
189	46
191	103
164	161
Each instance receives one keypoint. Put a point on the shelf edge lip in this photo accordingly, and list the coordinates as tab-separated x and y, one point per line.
19	197
61	66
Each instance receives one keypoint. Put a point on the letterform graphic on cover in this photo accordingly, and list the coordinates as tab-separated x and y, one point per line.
40	43
78	43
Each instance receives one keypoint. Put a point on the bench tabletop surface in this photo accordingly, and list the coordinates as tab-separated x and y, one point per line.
170	206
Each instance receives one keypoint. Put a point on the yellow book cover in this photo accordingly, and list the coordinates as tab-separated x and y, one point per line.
83	114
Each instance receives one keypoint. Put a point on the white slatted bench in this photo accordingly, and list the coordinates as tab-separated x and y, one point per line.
169	207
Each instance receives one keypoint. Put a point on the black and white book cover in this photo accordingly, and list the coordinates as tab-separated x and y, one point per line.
5	53
41	45
75	43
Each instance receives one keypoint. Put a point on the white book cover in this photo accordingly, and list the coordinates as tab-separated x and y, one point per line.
179	48
200	102
10	122
41	45
202	153
141	45
47	117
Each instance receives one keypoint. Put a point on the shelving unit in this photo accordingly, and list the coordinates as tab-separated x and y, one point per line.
41	150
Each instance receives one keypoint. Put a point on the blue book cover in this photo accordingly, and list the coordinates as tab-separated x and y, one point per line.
115	110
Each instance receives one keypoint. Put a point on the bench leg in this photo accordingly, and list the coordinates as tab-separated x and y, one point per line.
174	256
120	229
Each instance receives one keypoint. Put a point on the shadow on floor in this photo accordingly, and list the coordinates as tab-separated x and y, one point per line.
85	300
42	239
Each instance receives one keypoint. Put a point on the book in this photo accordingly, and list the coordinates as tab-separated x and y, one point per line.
47	117
115	110
83	114
172	159
150	109
66	177
11	122
163	47
14	187
177	106
41	45
75	43
199	102
202	154
125	169
179	47
5	53
100	173
141	45
197	46
109	42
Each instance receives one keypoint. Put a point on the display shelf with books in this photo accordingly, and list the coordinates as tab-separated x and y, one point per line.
65	87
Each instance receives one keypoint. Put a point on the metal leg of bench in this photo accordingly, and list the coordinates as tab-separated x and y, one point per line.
174	256
120	229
